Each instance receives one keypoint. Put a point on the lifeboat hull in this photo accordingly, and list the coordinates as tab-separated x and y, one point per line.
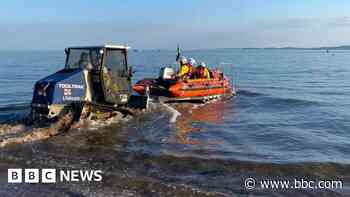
194	89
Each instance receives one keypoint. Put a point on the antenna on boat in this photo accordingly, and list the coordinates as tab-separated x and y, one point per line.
178	53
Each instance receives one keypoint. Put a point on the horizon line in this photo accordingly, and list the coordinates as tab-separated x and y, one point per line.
193	49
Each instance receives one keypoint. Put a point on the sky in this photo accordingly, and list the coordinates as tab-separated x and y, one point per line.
153	24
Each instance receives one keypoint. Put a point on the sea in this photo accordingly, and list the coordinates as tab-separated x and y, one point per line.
288	122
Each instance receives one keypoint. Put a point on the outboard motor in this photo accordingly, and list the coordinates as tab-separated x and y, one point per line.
167	73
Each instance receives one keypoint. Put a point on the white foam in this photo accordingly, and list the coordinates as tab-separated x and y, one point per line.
12	129
96	124
173	111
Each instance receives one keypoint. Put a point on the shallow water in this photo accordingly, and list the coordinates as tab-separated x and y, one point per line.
290	119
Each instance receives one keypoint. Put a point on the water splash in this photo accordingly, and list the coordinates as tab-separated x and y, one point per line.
174	113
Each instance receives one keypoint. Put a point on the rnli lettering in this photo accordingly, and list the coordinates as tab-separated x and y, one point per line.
70	86
68	90
71	98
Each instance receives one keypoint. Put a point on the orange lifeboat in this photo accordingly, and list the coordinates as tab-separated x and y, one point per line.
192	89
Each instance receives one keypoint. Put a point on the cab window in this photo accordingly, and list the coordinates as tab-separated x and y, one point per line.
115	61
80	58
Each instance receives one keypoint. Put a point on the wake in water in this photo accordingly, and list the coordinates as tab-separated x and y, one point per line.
21	132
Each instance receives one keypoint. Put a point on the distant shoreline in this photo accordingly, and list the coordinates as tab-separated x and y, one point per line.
306	48
345	47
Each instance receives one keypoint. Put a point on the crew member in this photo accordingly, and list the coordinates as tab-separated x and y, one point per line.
84	62
202	71
192	63
185	71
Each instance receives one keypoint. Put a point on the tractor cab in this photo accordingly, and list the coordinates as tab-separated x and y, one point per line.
95	74
108	76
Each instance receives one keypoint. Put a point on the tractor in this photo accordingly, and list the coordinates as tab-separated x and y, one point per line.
97	76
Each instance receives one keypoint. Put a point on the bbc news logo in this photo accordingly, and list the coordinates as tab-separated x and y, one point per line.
33	175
